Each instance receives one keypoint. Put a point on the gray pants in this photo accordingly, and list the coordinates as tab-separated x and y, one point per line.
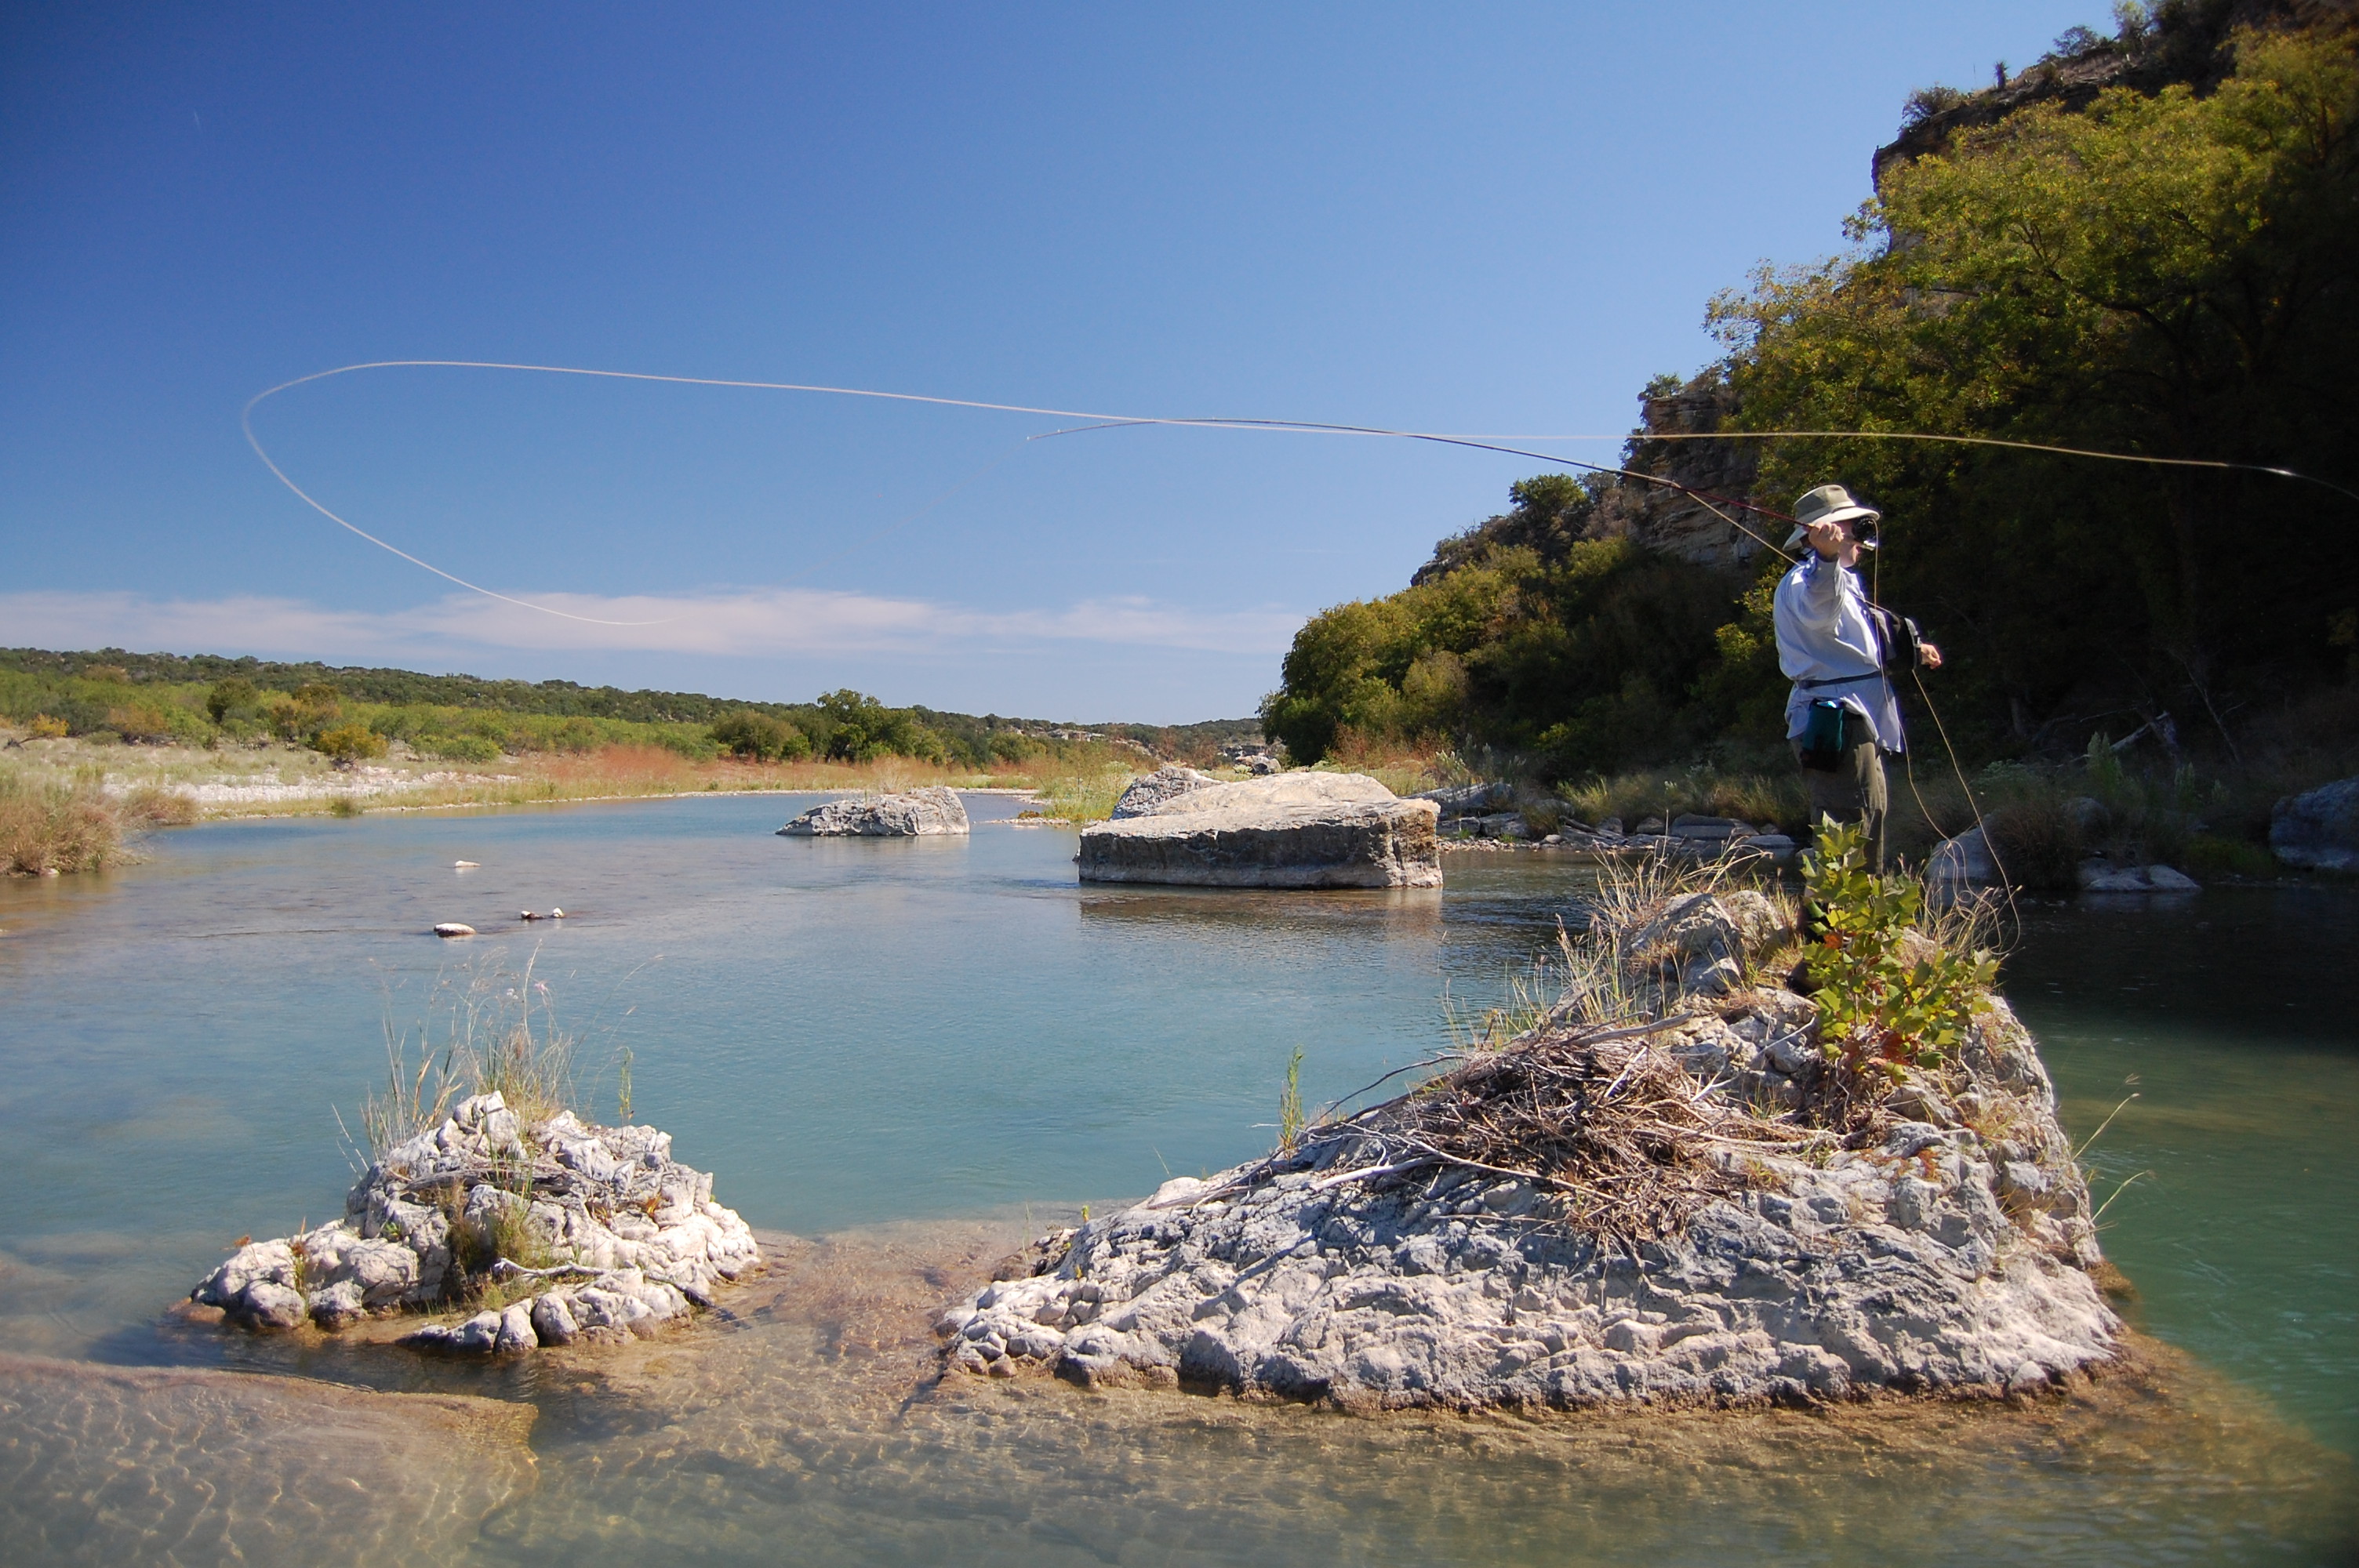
1855	792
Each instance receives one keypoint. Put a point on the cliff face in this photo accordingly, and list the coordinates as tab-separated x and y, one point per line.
1663	519
2181	41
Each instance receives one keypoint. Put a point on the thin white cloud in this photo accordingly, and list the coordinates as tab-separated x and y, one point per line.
745	623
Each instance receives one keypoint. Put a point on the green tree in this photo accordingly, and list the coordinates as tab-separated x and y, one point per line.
2170	274
859	728
759	737
232	698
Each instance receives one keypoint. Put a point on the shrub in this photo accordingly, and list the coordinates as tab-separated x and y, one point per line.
232	698
575	734
759	737
2208	855
2038	842
45	727
460	748
1888	996
144	722
159	807
348	743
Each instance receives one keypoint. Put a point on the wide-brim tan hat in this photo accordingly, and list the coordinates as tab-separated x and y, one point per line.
1828	503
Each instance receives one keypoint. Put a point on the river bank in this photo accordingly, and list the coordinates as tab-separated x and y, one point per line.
76	805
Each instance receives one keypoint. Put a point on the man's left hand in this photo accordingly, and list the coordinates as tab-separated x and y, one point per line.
1929	655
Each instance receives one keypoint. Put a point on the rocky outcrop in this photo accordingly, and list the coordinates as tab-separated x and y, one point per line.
2318	831
1703	944
625	1235
1299	829
1673	443
918	812
1948	1252
1151	790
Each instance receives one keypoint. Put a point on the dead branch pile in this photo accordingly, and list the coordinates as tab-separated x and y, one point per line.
1606	1119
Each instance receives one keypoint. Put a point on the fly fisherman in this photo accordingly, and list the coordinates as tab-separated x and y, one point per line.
1838	648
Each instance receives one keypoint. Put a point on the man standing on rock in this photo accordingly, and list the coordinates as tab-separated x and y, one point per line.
1837	646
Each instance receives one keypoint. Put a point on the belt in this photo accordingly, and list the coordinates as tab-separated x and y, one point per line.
1838	680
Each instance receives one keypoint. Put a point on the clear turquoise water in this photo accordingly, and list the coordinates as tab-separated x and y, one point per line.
918	1047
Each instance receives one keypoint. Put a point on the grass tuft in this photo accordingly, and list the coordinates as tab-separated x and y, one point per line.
52	827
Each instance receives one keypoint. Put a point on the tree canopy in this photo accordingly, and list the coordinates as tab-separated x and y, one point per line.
2162	270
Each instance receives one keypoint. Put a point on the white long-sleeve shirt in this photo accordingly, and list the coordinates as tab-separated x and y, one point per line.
1826	636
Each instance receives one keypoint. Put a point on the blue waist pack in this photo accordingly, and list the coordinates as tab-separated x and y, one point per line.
1826	737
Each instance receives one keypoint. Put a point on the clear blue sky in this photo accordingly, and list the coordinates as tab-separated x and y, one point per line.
1469	218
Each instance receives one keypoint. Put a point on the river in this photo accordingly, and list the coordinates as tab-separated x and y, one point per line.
915	1051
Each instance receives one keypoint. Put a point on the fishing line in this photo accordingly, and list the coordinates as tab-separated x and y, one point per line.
1103	421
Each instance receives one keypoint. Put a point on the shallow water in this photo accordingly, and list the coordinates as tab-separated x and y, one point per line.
920	1048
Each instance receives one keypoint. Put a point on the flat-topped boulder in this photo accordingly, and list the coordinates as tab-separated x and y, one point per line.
911	814
1298	829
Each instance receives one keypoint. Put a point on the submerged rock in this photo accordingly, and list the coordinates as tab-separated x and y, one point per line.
635	1236
1301	829
2318	831
2102	876
1951	1252
913	814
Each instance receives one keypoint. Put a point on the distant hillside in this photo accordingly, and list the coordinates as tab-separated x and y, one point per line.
193	698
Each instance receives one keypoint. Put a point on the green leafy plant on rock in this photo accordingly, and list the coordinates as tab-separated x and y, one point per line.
1290	1120
1889	996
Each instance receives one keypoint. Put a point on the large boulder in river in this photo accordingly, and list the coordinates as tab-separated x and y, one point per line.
1669	1238
1298	829
916	812
2318	831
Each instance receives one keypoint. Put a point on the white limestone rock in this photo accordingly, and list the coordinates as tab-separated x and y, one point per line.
912	813
643	1240
1151	790
1938	1260
1301	829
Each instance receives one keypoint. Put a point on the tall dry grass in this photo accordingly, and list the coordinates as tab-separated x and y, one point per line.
499	1035
1762	799
49	827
